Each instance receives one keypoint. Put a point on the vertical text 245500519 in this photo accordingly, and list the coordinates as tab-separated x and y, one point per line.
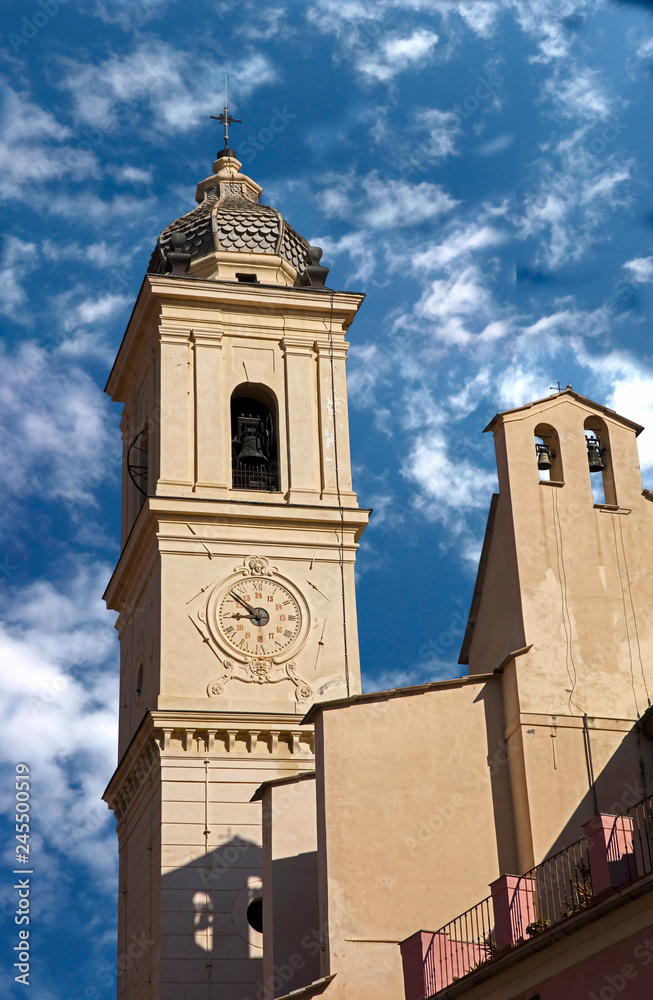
21	948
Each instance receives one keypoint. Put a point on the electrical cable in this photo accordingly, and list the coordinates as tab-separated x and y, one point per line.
207	865
632	605
566	617
623	601
151	875
589	762
341	548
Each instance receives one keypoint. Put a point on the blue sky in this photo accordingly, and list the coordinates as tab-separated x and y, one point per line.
480	169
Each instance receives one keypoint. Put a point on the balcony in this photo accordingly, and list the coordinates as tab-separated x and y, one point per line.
615	851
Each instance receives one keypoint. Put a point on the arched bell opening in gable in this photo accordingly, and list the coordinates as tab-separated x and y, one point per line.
599	461
547	454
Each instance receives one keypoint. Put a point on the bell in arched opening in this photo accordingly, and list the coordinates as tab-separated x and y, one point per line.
250	440
253	446
544	462
594	454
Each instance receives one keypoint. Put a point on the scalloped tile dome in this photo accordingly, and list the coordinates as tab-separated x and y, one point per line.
230	218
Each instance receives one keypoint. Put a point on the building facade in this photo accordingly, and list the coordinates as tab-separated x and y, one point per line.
235	585
282	834
497	829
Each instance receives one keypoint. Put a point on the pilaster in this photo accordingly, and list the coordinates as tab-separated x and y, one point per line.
213	459
175	421
334	420
303	447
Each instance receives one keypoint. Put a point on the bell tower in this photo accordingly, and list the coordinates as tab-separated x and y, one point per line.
561	611
235	584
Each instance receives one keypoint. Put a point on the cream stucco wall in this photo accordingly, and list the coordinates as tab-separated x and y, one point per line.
191	849
292	936
414	821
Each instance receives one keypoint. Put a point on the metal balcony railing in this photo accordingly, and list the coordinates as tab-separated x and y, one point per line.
518	910
630	843
460	947
618	851
555	889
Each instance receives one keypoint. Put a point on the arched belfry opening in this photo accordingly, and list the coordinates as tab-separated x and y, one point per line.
254	438
548	454
600	461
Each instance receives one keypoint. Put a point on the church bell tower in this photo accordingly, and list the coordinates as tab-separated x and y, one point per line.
235	583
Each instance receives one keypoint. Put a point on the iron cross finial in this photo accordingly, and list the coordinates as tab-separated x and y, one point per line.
225	118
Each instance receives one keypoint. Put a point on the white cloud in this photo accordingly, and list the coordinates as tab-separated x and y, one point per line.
90	207
132	175
370	43
368	363
19	258
582	177
134	82
99	308
641	269
461	241
457	304
458	308
397	203
99	254
645	49
129	14
517	385
569	325
632	396
358	247
58	673
576	191
496	145
378	203
448	487
577	93
443	128
272	21
57	438
480	15
35	148
548	22
396	54
626	385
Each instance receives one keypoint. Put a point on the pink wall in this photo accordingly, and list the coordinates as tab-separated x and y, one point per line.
622	972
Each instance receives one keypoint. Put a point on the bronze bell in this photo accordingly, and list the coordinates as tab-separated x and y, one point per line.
249	439
544	462
594	455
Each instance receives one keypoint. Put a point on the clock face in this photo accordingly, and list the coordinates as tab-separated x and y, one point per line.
258	617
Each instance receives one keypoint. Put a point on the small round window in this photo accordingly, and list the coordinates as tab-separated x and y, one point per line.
255	915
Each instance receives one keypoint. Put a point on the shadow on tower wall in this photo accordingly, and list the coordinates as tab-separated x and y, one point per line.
209	951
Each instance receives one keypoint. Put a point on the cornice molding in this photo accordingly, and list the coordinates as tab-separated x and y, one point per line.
338	348
194	736
144	542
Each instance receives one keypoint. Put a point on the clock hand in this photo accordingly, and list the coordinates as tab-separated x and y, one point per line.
238	615
257	615
251	610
